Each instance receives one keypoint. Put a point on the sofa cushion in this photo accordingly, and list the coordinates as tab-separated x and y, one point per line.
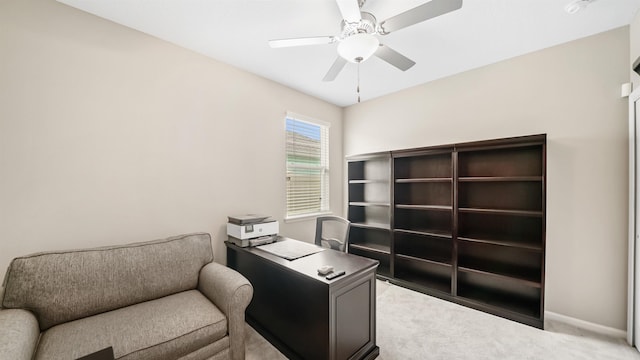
67	285
166	328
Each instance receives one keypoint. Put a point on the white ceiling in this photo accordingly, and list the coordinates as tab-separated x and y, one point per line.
480	33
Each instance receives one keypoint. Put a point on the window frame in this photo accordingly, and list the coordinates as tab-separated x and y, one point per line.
325	167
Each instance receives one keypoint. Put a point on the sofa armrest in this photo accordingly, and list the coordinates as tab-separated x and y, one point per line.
231	293
19	333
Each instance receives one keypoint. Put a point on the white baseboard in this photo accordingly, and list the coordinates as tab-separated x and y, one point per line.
586	325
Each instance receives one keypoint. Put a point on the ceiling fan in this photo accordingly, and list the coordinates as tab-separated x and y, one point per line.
358	41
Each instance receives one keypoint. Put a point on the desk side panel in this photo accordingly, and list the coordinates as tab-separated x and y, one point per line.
354	318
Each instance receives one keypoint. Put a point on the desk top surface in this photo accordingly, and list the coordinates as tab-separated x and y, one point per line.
308	265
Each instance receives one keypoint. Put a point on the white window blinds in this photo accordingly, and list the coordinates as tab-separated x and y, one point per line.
307	152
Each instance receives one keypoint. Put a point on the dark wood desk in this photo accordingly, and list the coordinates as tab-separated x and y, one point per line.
305	315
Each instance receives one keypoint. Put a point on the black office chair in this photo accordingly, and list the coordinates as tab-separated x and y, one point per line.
332	232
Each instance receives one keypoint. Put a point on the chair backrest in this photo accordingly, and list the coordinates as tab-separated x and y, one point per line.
332	232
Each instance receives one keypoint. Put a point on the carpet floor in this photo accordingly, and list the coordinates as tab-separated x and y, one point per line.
411	325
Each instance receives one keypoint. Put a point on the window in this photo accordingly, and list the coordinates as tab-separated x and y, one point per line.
307	152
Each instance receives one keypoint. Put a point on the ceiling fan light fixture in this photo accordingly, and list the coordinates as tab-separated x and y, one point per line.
359	47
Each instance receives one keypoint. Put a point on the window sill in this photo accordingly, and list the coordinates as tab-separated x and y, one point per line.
305	217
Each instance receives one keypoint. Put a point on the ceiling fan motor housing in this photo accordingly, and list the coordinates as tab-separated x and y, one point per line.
366	25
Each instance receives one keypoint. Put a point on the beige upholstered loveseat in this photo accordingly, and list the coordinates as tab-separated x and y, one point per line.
163	299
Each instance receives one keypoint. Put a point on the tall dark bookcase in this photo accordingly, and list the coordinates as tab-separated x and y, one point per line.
370	208
463	222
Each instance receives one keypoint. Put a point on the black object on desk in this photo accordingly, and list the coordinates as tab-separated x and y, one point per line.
304	314
334	275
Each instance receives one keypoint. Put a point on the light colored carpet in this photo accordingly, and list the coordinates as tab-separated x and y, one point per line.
411	325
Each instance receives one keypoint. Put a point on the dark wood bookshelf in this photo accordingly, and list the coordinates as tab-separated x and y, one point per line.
371	225
464	222
427	232
501	277
362	203
424	207
384	268
432	248
438	221
369	200
514	244
503	211
423	180
425	261
372	247
502	302
500	178
425	273
530	276
366	182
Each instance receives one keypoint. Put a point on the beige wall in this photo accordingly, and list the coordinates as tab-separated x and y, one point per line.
570	92
634	44
108	136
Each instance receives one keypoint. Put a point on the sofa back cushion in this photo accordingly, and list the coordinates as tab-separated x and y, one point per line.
62	286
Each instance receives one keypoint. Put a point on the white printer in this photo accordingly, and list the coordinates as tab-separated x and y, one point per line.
251	230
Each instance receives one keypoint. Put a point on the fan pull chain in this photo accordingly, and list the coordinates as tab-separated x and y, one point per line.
358	87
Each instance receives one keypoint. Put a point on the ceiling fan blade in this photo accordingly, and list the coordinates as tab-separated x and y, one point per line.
318	40
394	58
350	10
418	14
335	69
